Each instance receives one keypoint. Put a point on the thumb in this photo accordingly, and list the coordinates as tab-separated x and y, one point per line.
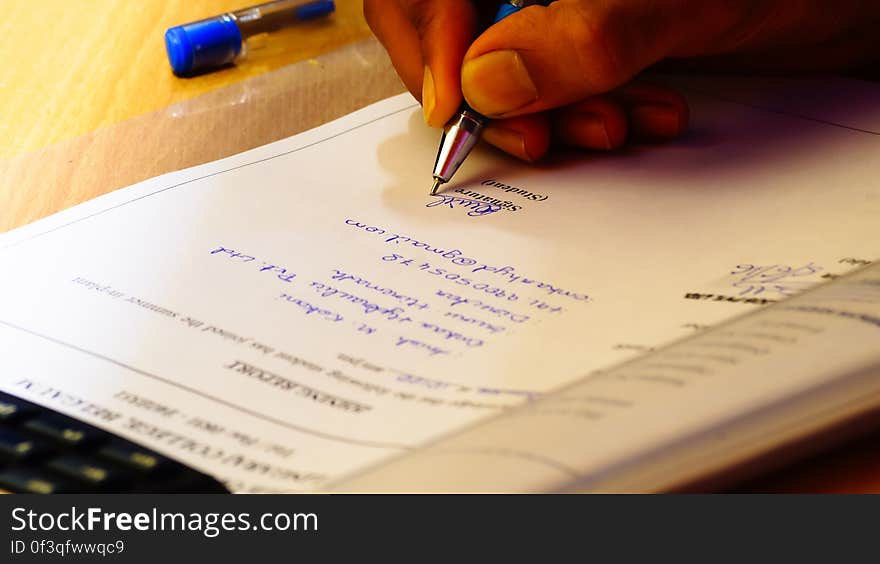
547	57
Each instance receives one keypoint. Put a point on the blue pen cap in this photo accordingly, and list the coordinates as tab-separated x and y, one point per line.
505	10
203	46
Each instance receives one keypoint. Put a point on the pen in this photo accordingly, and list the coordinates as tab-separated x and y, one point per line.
463	131
205	45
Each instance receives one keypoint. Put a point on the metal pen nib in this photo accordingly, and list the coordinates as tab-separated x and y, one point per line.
459	136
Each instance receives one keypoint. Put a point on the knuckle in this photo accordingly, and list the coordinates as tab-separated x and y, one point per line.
739	22
598	48
421	13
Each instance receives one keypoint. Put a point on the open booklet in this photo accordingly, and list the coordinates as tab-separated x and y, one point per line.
303	316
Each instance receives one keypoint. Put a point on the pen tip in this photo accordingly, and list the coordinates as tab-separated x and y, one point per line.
435	187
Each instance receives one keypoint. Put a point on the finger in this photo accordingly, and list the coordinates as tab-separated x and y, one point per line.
446	29
524	137
549	57
393	29
598	123
655	112
427	40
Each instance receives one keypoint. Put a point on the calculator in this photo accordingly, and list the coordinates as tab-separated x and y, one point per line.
44	452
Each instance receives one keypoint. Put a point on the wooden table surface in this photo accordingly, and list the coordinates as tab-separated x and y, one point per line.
88	104
70	67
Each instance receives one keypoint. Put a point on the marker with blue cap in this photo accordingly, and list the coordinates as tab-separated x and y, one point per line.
208	44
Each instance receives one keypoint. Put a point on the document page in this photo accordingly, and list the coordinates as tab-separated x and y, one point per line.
693	410
295	313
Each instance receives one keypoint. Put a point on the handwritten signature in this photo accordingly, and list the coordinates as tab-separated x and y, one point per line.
786	280
476	208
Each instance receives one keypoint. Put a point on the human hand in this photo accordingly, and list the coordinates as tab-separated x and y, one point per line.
565	73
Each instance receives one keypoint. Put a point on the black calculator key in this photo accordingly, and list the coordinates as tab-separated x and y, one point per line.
63	430
17	447
134	457
88	470
13	410
43	451
26	480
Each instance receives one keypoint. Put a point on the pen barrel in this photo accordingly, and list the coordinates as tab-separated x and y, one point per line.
272	16
509	7
211	43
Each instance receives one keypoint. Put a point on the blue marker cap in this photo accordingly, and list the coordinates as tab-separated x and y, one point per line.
202	46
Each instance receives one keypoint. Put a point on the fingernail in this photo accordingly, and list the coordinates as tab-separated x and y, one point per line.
429	96
507	140
656	120
587	130
497	83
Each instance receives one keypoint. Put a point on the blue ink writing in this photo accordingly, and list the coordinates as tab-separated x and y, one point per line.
420	346
477	209
310	309
457	257
409	301
454	277
474	322
282	273
449	334
508	273
453	255
389	313
480	305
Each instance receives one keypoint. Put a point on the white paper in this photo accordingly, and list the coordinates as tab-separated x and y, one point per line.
289	315
671	418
